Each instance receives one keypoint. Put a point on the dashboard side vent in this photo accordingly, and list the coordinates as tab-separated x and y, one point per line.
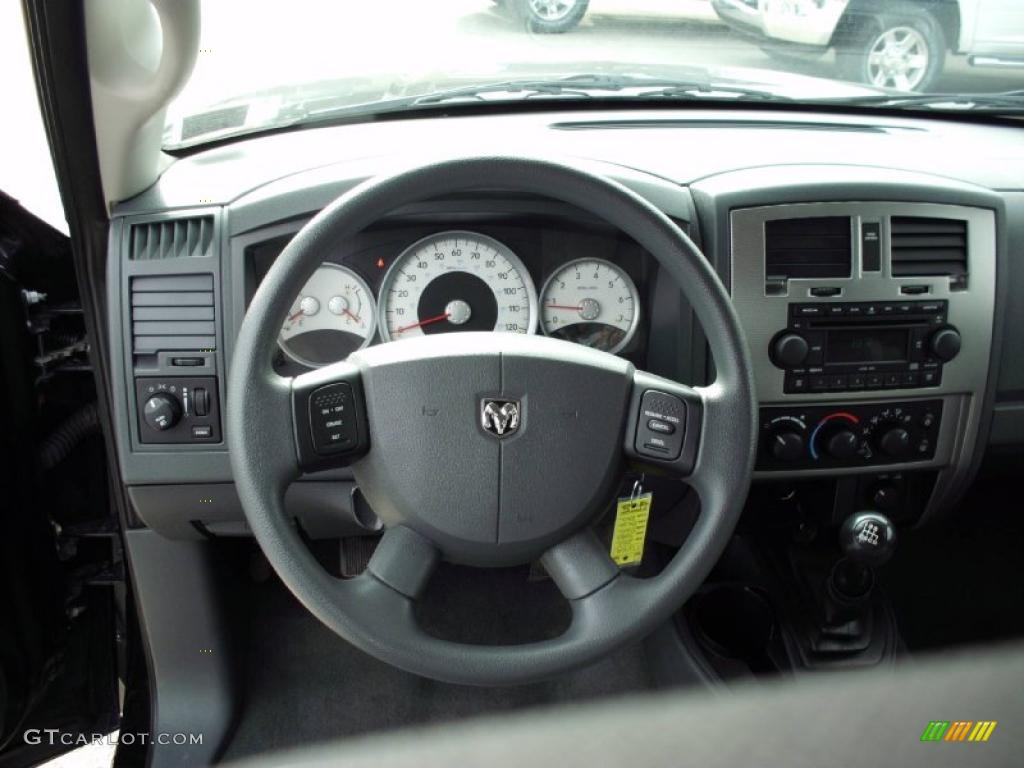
807	248
924	247
172	238
172	313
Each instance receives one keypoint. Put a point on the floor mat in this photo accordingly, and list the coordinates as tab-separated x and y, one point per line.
962	581
304	684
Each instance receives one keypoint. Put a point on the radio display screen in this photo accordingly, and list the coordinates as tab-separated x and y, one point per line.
866	345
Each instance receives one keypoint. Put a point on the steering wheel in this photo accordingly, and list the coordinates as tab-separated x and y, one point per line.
488	449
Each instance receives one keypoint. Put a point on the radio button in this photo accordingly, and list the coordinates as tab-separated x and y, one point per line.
930	378
819	383
911	380
893	380
837	382
854	310
809	310
836	309
857	381
874	380
796	384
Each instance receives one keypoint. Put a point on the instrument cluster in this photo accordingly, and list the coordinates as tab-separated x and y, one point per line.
459	280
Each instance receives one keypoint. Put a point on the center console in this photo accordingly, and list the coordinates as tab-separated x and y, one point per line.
870	326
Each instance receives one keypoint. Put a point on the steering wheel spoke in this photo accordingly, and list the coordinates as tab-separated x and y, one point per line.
580	565
404	560
329	417
665	422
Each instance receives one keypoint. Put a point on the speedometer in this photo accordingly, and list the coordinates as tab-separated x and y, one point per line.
456	281
591	302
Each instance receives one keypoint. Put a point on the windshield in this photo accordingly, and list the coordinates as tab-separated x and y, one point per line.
264	65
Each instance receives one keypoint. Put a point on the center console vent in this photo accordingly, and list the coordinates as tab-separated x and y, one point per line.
172	238
807	248
172	313
926	247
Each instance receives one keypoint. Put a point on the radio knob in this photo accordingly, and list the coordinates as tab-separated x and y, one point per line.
895	442
842	443
787	445
162	411
789	350
945	343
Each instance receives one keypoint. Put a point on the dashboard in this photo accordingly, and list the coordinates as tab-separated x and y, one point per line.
874	287
476	271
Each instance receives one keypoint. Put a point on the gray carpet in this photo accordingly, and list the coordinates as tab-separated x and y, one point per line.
305	685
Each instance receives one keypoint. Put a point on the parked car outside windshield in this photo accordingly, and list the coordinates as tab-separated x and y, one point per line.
265	65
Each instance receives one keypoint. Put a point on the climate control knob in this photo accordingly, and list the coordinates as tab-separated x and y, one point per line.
841	443
787	445
894	442
945	343
789	350
162	411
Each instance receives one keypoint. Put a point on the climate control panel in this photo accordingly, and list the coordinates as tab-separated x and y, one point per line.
862	435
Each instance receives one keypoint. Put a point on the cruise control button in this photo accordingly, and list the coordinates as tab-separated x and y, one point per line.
655	425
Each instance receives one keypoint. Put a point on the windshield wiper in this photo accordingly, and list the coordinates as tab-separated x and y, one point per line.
590	86
1003	102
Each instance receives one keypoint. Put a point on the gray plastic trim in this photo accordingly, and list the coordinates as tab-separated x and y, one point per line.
324	509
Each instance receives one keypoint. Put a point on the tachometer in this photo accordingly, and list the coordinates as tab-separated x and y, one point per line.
334	315
456	281
591	302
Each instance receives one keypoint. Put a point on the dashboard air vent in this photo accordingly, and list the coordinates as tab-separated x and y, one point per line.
807	248
172	313
172	238
924	247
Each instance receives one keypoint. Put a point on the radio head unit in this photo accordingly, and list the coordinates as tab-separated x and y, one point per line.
848	346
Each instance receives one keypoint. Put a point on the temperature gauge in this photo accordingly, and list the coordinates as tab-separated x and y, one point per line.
333	316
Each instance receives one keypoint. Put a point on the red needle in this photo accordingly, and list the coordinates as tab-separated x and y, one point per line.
562	306
428	321
354	317
297	314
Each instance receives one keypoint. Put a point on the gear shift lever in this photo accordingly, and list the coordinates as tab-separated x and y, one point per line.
867	539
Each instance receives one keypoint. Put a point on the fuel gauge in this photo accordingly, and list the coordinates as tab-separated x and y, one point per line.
333	316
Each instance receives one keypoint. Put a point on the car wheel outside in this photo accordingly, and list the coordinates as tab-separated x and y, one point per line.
552	16
902	48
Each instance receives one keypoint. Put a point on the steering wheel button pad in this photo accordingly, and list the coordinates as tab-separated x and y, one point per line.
662	425
332	419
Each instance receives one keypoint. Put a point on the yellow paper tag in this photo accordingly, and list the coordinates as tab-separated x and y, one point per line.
630	529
